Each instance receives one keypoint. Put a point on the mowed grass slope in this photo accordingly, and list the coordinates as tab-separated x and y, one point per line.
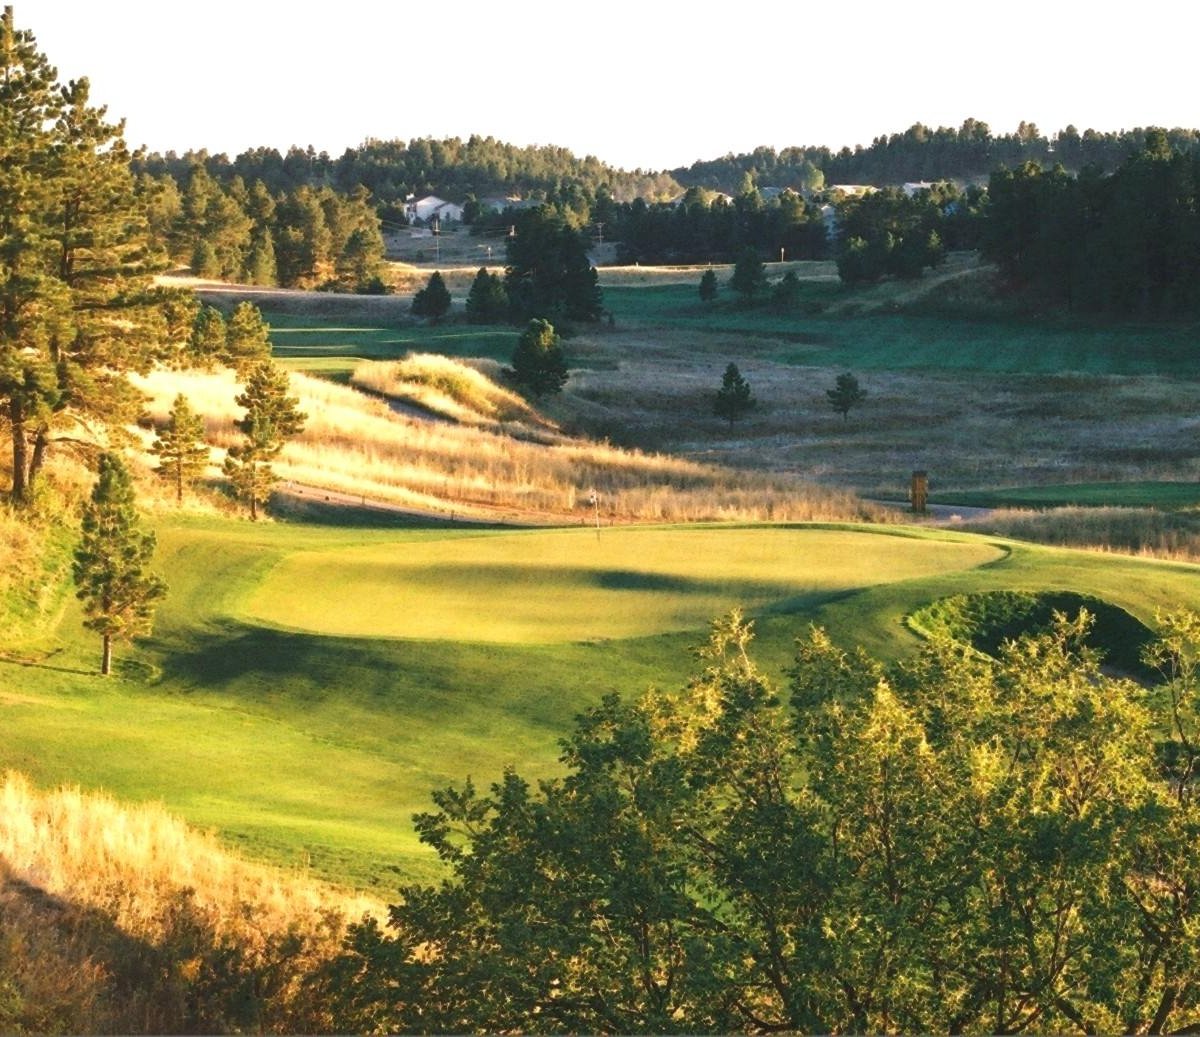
570	585
314	749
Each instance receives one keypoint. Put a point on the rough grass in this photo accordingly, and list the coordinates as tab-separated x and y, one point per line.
123	919
975	392
1139	531
445	387
357	445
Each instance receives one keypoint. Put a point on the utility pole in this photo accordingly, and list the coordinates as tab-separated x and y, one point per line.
599	233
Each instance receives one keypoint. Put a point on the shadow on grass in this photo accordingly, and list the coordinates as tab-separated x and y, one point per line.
239	653
41	662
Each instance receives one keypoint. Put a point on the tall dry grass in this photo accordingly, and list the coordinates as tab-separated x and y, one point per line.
356	444
1139	531
445	387
123	919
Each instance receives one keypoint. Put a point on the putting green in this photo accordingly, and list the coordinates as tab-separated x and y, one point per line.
569	585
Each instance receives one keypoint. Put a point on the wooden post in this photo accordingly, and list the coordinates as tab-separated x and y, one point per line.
919	494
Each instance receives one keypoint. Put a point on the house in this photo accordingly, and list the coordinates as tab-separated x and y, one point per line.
850	190
423	210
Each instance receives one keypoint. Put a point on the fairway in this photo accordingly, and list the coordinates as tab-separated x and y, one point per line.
313	748
572	585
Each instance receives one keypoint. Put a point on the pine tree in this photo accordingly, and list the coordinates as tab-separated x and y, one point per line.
708	285
432	301
549	273
538	364
749	275
182	455
272	416
119	595
487	302
77	307
845	394
733	399
260	263
206	344
247	339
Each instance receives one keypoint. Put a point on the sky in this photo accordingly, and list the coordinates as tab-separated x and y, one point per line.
645	85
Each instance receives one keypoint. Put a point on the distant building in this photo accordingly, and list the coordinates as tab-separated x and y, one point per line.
851	190
423	210
911	189
703	194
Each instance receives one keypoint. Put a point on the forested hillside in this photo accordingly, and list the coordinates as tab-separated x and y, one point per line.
457	170
970	152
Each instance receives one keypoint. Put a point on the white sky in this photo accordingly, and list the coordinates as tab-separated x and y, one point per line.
638	84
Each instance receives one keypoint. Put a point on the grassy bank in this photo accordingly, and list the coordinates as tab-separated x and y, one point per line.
313	747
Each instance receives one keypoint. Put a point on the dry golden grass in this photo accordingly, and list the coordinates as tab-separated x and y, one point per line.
89	849
357	445
445	387
1147	532
121	919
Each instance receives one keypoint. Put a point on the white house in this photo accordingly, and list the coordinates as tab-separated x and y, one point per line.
851	190
423	210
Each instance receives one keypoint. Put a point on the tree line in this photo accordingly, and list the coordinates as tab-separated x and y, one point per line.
303	237
391	170
1127	243
704	227
956	843
80	312
921	153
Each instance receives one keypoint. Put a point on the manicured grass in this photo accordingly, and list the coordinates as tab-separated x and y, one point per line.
911	341
568	585
314	749
1162	495
314	337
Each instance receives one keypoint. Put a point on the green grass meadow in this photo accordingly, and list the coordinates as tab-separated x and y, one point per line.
295	337
908	340
1166	496
307	686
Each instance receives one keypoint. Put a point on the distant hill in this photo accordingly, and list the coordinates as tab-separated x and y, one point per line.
455	169
967	153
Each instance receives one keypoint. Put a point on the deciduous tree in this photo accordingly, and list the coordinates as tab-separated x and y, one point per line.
119	595
958	844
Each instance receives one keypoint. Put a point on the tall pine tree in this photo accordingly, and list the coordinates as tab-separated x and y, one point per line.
77	307
119	595
272	416
182	455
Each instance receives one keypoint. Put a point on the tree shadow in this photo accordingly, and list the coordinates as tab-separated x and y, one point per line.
40	663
